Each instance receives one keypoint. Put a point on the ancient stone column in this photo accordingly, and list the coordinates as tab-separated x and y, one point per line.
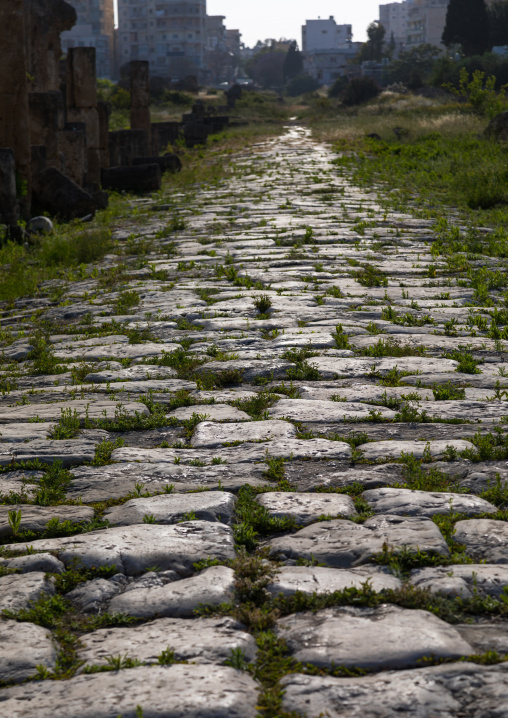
140	97
82	104
47	119
14	123
8	199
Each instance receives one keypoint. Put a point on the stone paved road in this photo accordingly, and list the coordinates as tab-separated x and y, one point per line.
269	476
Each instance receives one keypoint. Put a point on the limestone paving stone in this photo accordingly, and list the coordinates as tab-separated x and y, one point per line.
385	450
407	502
323	411
213	412
68	452
132	373
330	368
91	596
211	587
23	647
132	549
209	434
19	433
35	518
484	539
117	480
462	579
202	640
84	409
445	691
375	639
319	579
169	509
178	691
344	544
366	393
485	637
42	562
306	508
19	591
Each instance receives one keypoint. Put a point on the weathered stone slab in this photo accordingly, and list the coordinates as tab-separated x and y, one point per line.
41	562
117	480
305	508
169	509
202	640
18	591
84	409
23	647
209	434
213	412
405	502
250	368
91	596
472	410
180	691
324	411
344	544
132	373
330	367
375	639
133	549
318	579
463	579
484	539
291	449
485	637
383	450
35	518
69	452
368	393
19	433
213	586
443	691
114	351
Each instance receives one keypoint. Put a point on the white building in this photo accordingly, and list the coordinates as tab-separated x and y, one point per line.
327	49
414	22
393	17
95	28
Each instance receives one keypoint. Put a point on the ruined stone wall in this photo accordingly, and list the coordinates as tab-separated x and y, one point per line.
44	21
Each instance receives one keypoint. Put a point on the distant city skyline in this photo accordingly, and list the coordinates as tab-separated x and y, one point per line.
284	18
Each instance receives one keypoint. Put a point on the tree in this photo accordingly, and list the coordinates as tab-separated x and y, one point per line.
293	63
467	25
498	21
413	66
372	50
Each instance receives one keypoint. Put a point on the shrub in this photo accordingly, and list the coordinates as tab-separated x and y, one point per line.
360	90
300	85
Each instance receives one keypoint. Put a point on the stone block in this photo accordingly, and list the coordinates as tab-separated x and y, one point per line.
81	77
57	194
72	145
8	200
124	145
47	118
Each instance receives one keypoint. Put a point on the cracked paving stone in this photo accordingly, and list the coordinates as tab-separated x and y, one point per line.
318	579
133	373
323	411
208	434
379	450
133	549
206	506
203	640
462	580
45	562
19	433
484	539
213	412
19	591
306	508
446	691
213	586
84	409
180	691
35	518
344	544
405	502
69	453
374	639
117	480
24	647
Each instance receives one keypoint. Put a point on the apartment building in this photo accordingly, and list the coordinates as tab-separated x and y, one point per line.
414	22
327	49
170	34
95	27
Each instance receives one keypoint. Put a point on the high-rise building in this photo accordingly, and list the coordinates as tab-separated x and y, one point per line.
95	28
170	34
393	17
414	22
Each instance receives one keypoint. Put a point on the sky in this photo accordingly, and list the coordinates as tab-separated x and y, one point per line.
261	19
